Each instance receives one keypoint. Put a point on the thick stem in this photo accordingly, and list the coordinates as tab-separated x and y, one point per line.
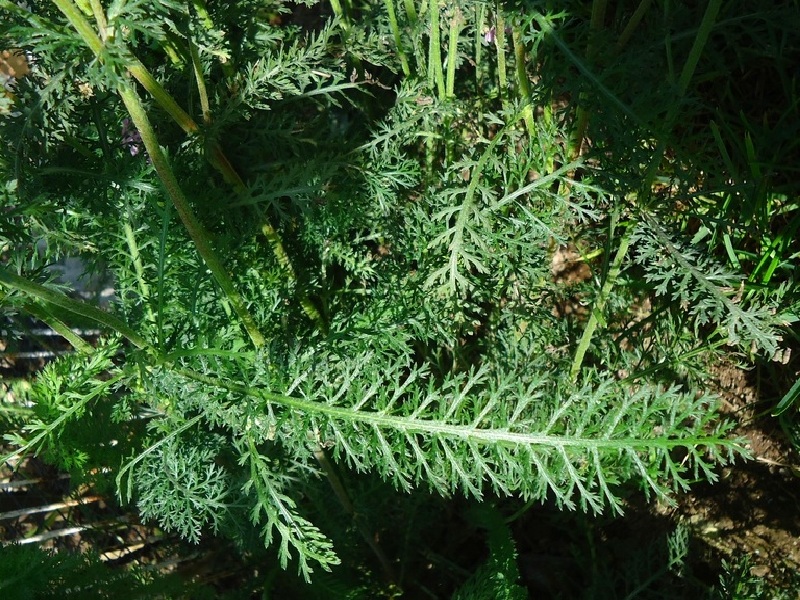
196	231
57	325
100	18
411	11
522	79
452	52
398	43
500	43
214	153
435	73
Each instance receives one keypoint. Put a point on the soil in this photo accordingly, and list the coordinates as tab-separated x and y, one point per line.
755	507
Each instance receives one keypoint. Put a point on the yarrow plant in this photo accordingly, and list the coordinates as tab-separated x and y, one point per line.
337	257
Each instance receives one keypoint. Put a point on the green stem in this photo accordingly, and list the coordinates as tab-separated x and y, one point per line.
522	79
196	231
411	11
341	13
633	23
136	68
283	259
201	83
452	51
398	43
600	304
706	25
435	74
214	154
500	43
480	20
49	296
164	99
81	25
136	258
57	325
208	23
100	18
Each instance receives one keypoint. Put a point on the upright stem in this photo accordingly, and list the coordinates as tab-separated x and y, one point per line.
522	79
452	52
136	259
411	11
214	153
500	43
196	231
706	25
340	12
480	20
633	23
398	42
689	67
599	306
581	115
100	18
435	73
197	67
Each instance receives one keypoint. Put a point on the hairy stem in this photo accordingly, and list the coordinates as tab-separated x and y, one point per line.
57	325
452	52
136	259
435	73
214	153
500	43
197	232
398	43
522	79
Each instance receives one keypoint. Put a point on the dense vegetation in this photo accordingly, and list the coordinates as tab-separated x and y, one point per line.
477	250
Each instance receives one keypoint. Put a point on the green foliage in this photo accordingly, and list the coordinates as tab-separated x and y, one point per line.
315	255
498	577
738	583
29	573
657	570
71	400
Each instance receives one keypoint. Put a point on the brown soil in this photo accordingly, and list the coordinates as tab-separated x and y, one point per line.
755	507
